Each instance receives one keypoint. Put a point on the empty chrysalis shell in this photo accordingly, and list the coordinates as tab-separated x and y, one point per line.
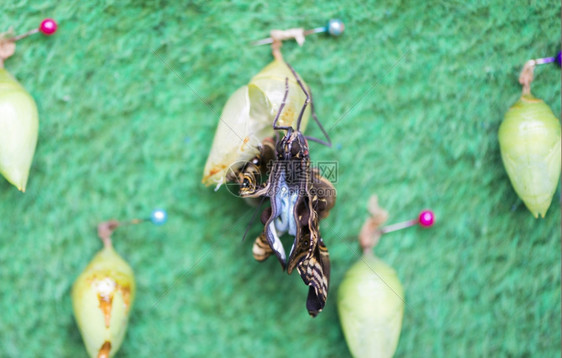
371	307
102	297
19	125
271	81
247	119
529	139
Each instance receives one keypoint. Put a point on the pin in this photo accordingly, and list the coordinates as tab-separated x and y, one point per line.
47	27
541	61
105	229
426	218
334	27
157	217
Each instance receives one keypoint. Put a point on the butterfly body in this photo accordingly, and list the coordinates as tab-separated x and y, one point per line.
296	208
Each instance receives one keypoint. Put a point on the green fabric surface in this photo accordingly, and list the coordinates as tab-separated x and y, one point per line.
412	94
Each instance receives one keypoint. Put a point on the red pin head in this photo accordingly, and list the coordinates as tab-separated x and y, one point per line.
426	218
48	27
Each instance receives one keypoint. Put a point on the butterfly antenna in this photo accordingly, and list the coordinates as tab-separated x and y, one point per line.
309	99
328	142
306	102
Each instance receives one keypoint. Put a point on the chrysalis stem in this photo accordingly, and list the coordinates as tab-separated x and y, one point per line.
105	229
276	50
527	73
370	233
526	76
7	47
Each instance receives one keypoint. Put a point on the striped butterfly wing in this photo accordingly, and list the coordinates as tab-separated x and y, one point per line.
315	273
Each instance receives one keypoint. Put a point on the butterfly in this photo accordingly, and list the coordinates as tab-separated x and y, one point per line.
299	198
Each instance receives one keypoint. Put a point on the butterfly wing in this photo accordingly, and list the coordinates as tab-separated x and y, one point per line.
315	273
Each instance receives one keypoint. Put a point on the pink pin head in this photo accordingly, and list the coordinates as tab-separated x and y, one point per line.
426	218
48	27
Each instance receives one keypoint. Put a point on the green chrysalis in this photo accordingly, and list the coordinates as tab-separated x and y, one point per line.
19	126
529	138
371	307
247	119
102	297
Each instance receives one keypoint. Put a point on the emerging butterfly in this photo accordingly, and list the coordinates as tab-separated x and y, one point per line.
299	198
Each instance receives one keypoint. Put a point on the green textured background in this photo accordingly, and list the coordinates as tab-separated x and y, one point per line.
128	97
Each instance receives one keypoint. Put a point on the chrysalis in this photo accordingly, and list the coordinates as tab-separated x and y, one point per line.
19	125
19	122
371	298
371	307
247	119
529	138
102	297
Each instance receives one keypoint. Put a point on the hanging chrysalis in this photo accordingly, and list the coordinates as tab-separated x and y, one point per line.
102	297
103	294
18	130
247	117
529	138
370	296
19	122
371	307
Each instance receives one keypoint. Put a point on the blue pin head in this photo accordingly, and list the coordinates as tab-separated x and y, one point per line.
158	217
